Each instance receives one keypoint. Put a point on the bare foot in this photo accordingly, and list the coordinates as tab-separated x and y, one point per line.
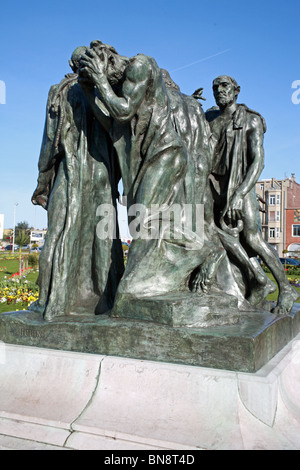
36	307
260	292
287	298
207	271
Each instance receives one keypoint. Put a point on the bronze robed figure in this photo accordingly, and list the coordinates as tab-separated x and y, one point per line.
124	118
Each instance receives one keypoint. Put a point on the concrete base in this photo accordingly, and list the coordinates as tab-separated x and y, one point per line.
66	400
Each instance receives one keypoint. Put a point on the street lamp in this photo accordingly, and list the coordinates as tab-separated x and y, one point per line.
13	247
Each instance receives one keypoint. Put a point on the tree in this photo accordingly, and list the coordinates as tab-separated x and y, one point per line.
22	226
22	238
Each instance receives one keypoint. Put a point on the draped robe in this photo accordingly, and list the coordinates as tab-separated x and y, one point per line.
79	272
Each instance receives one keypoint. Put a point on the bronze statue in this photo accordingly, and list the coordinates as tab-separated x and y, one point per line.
156	161
78	272
237	135
118	117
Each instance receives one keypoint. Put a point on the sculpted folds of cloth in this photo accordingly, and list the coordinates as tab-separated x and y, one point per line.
119	118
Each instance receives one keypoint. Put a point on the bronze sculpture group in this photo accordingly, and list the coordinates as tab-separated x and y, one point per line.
118	118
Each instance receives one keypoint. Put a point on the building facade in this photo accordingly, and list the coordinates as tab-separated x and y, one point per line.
279	202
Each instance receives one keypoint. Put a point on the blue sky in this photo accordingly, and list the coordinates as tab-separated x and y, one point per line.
257	42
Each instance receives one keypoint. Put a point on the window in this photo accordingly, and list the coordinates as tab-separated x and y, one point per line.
278	216
296	230
272	216
272	233
272	200
277	232
278	199
262	186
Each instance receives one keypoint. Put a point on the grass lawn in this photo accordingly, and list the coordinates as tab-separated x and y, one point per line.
11	263
273	297
9	308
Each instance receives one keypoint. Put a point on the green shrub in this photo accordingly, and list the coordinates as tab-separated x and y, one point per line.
33	260
294	270
265	268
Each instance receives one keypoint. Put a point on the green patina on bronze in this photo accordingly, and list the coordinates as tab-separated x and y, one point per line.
191	293
245	346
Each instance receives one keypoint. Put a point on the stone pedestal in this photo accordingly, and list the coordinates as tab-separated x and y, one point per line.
244	346
57	400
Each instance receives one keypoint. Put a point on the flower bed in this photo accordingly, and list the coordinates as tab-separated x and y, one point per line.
17	292
21	296
294	282
23	273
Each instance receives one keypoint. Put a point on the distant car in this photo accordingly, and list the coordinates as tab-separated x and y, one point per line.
25	247
290	261
10	247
